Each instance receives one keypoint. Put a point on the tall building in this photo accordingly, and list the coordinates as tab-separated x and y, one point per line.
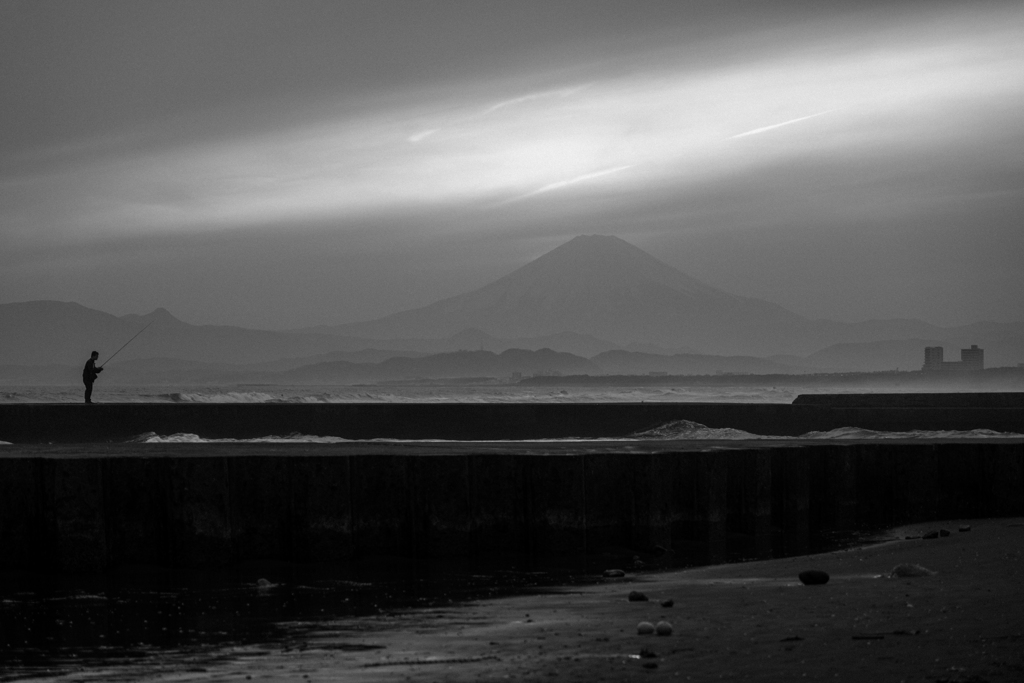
972	358
932	358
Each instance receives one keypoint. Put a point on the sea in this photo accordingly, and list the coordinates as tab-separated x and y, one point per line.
407	393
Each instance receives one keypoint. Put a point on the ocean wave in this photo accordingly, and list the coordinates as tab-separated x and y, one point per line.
304	394
480	394
678	430
858	433
683	430
227	397
183	437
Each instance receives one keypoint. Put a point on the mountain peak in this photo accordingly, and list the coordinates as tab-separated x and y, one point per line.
604	287
598	246
161	315
597	265
597	285
593	240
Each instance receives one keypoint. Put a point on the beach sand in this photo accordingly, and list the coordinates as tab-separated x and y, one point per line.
751	621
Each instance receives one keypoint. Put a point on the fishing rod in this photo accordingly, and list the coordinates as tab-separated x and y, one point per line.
126	343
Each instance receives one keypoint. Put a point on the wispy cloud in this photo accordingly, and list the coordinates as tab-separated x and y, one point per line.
765	129
564	92
671	124
422	135
567	183
470	118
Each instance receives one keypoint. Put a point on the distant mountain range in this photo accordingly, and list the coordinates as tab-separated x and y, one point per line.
604	287
595	305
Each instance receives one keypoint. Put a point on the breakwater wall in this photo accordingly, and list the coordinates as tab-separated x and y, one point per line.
90	508
79	423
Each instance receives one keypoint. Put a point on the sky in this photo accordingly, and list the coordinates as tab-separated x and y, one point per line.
287	164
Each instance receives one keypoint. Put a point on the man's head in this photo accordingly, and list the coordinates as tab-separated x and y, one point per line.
95	355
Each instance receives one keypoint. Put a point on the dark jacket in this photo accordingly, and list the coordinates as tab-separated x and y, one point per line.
90	372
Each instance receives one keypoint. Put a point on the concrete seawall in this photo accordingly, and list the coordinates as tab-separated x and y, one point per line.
93	507
78	423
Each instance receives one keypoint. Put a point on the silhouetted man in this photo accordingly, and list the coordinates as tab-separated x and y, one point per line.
89	375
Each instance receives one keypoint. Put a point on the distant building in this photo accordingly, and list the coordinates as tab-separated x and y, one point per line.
932	358
971	360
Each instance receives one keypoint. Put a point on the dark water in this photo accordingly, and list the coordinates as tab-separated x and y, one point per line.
52	625
105	627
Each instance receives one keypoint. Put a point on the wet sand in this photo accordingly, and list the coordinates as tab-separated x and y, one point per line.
751	621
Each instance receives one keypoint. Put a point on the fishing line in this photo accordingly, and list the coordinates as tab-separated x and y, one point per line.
126	343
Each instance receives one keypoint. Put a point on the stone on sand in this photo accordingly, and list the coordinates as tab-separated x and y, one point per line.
907	571
813	577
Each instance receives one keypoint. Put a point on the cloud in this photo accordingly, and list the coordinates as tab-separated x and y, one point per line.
566	183
564	92
780	125
422	135
468	118
669	122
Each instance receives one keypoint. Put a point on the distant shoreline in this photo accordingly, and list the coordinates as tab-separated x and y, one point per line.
1003	377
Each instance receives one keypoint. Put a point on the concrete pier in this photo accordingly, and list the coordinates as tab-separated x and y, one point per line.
77	495
79	423
90	507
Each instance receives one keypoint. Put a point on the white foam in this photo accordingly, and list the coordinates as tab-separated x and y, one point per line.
683	430
858	433
183	437
678	430
229	397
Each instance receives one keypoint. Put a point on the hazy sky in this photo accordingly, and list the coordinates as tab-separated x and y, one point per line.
279	164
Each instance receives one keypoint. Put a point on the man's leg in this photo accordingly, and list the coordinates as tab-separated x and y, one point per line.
88	392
